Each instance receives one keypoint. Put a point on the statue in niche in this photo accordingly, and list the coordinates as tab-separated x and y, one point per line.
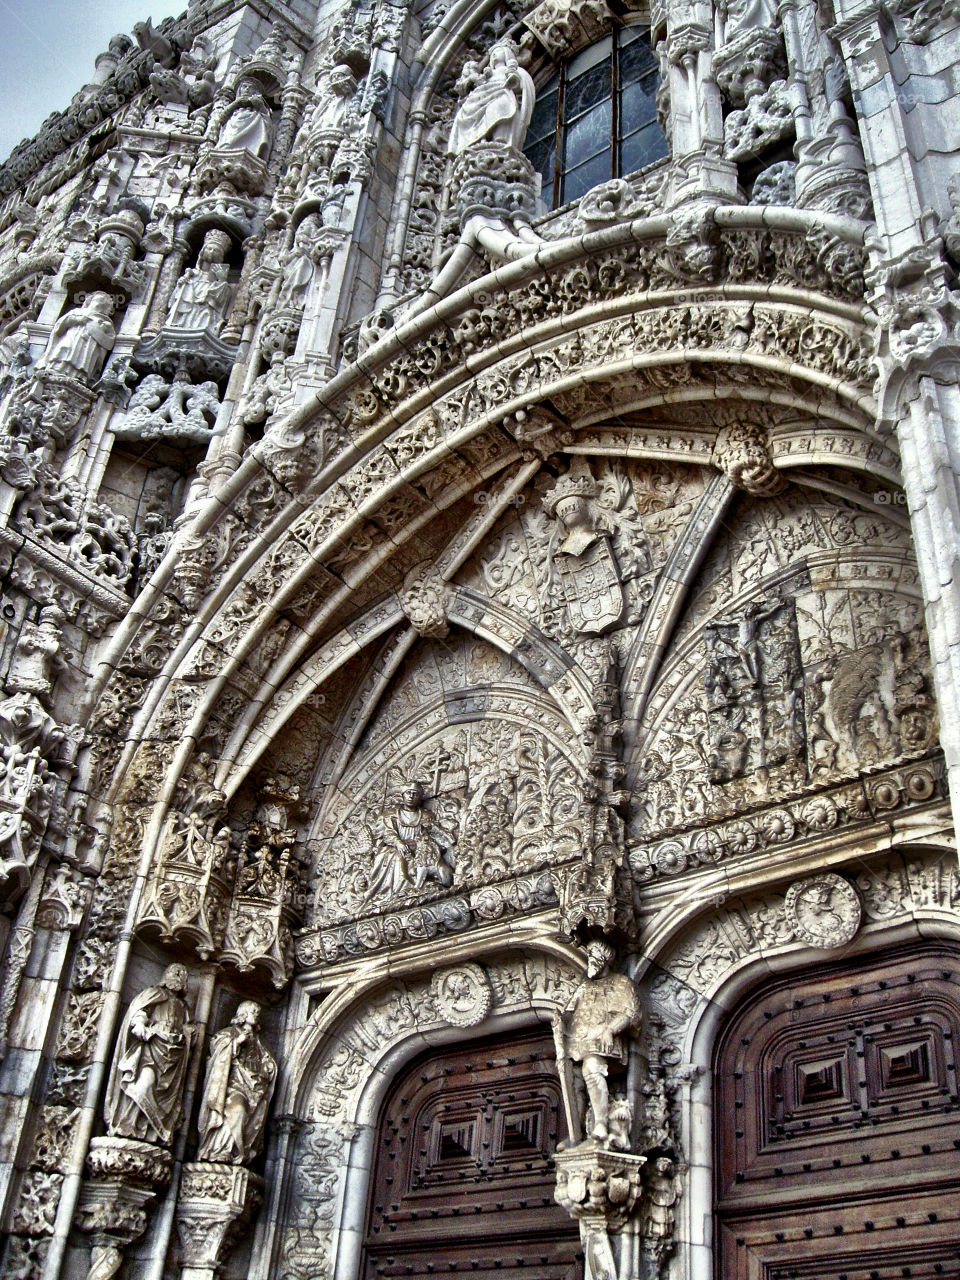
591	1031
300	265
662	1189
241	1074
336	89
750	15
201	295
498	102
410	850
580	550
145	1090
247	125
81	340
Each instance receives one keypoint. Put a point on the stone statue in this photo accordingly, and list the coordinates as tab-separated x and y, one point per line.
590	1030
301	261
237	1090
662	1189
247	125
145	1091
81	339
336	89
750	15
201	295
498	103
412	848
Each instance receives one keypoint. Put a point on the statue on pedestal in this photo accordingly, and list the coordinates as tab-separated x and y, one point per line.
498	102
145	1091
591	1030
237	1090
201	295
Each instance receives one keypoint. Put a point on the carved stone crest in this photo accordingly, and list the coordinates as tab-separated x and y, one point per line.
462	994
823	910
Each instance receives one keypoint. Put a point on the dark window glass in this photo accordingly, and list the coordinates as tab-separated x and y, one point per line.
596	118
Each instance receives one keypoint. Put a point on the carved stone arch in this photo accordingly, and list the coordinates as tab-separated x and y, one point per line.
345	1059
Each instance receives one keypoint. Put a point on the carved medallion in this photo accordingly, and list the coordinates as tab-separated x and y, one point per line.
462	994
824	910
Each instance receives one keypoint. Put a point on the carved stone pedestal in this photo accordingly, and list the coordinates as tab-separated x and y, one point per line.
600	1188
123	1177
217	1202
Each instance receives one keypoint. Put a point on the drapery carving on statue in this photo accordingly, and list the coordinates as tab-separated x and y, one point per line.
237	1088
237	162
491	180
591	1034
82	338
201	295
189	884
145	1090
494	800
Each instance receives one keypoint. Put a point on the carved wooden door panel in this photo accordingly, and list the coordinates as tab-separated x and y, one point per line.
463	1181
838	1125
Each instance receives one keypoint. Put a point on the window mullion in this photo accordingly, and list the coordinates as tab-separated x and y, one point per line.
615	103
559	150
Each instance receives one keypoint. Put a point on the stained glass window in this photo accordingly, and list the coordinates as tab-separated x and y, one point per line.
596	117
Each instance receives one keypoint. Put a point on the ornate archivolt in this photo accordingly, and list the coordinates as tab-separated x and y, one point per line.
343	1063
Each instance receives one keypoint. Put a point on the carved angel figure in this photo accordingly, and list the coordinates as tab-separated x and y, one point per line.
498	103
146	1082
241	1074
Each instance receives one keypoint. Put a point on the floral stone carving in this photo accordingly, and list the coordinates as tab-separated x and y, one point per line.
217	1202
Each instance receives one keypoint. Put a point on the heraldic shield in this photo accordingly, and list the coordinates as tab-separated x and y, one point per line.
591	585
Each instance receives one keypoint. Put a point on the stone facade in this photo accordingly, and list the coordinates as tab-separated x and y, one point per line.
427	613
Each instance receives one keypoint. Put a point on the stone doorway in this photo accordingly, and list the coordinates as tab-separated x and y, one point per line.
838	1124
463	1178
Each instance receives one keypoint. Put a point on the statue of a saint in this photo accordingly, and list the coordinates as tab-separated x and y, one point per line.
81	339
581	552
201	295
301	261
498	103
145	1091
590	1030
327	124
237	1090
247	125
411	850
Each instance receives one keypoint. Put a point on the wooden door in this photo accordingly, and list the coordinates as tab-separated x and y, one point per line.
838	1125
463	1180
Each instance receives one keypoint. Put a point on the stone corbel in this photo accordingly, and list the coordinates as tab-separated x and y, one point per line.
216	1205
124	1177
600	1189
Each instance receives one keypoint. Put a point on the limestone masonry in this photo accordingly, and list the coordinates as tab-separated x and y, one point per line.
480	646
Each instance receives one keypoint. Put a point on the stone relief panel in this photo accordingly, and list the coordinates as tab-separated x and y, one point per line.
800	661
580	554
468	778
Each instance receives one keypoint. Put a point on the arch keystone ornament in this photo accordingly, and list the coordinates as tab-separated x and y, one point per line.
824	911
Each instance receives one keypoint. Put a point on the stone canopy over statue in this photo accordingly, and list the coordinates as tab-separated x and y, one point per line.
145	1091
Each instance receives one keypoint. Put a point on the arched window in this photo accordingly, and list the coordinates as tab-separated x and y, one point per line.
596	118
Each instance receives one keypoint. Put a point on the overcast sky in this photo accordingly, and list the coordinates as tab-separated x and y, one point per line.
47	51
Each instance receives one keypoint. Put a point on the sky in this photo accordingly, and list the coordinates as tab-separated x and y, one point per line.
48	49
